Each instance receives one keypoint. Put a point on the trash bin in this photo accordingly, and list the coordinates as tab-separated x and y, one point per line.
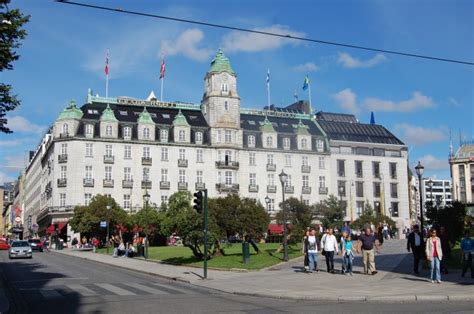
245	252
141	250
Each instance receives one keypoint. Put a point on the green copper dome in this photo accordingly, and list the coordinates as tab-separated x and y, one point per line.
71	112
266	126
220	63
180	120
108	115
302	129
145	117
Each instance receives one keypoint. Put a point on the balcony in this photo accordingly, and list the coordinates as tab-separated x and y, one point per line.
306	190
253	188
271	167
146	161
62	183
182	163
341	173
222	187
305	168
271	188
200	186
128	184
108	159
323	190
88	182
182	186
289	189
227	165
108	183
62	158
146	184
165	185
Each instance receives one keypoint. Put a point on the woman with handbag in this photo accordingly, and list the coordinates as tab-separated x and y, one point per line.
434	254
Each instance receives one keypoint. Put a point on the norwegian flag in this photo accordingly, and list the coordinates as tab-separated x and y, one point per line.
107	64
162	69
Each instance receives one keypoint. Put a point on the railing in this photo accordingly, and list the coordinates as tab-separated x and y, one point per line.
62	158
108	159
55	210
305	168
182	186
127	184
271	188
253	188
289	189
200	186
147	161
306	190
87	182
62	183
108	183
146	184
271	167
323	190
227	164
182	162
222	187
165	185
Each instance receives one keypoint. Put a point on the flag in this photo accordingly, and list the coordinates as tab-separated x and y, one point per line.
107	64
162	69
295	95
268	78
306	83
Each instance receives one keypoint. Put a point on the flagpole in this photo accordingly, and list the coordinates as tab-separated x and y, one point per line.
107	86
309	97
161	96
268	89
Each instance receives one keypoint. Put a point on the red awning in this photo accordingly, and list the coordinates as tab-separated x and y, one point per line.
51	230
275	229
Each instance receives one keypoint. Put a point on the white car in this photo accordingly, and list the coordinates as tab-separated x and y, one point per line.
19	249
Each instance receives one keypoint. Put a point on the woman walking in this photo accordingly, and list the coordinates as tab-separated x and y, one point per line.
347	254
305	250
329	244
434	254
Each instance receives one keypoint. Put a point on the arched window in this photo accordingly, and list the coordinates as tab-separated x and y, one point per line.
226	105
65	128
198	136
146	133
108	130
89	130
163	135
182	135
269	141
304	143
251	140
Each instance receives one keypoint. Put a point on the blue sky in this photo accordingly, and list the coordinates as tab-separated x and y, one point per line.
418	100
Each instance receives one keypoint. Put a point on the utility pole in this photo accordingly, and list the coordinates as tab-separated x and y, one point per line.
205	232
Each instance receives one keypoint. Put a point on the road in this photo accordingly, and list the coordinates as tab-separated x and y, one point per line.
53	283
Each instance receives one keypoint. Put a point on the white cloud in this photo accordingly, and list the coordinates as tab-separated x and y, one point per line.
306	67
187	44
15	162
417	101
21	124
453	102
431	162
5	178
253	42
418	135
350	62
347	100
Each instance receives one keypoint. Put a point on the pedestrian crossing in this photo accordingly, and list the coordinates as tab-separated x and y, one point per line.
124	289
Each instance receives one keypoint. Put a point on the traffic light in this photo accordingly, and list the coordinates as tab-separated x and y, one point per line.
198	201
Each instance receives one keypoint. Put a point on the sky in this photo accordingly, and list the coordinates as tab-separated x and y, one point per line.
420	101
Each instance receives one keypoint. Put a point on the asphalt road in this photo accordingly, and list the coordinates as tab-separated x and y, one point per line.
53	283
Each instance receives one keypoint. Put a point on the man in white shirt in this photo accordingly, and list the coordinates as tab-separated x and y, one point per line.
329	244
415	243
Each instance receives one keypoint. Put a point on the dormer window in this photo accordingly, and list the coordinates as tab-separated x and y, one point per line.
269	141
108	130
182	135
226	105
320	145
251	141
163	135
127	132
304	143
146	133
65	128
286	143
89	131
198	137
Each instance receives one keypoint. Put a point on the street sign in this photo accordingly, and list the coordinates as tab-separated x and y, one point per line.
103	224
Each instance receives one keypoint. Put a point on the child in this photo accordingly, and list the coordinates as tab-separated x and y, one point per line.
347	254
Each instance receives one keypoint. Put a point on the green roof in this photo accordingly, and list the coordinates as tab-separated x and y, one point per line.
220	63
145	117
180	120
71	112
266	126
108	115
302	129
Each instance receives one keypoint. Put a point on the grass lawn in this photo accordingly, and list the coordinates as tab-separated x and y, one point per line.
231	259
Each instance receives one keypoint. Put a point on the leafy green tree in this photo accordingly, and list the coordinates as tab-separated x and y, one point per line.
331	211
148	221
298	214
12	34
452	217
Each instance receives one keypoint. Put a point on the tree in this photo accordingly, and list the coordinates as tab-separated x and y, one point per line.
370	216
12	33
147	220
331	211
298	214
86	219
452	217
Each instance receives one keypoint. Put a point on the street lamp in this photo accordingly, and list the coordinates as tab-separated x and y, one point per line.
341	191
267	201
283	178
419	171
377	206
430	185
146	199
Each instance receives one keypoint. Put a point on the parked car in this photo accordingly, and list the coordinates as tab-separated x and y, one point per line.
36	244
20	248
4	245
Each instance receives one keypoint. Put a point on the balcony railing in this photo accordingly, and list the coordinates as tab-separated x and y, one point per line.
128	184
306	190
271	188
323	190
88	182
62	158
108	183
253	188
108	159
147	161
182	162
289	189
271	167
182	186
227	164
62	183
165	185
305	168
222	187
146	184
200	186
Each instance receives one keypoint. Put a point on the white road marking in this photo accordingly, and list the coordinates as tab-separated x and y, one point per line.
49	294
173	288
114	289
49	279
86	292
146	288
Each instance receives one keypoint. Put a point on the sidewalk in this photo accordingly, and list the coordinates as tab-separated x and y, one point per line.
393	283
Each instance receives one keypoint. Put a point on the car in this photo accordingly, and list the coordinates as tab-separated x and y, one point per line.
36	244
4	245
20	248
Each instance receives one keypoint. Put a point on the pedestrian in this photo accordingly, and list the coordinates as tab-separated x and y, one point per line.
467	249
379	233
446	247
83	241
346	228
115	242
305	249
372	226
347	254
385	230
415	243
329	244
95	244
312	251
342	244
434	254
368	242
74	242
130	251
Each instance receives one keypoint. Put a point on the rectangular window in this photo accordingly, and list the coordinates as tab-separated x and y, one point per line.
253	179
393	190
228	177
164	175
304	161
163	135
164	199
271	205
126	201
393	170
376	169
108	151
108	173
376	189
341	188
359	189
64	149
358	168
199	176
305	181
127	153
219	136
62	199
271	179
394	209
322	163
359	208
146	152
127	174
287	160
199	155
146	174
87	198
182	175
182	153
322	181
164	154
88	172
288	181
341	168
127	132
63	173
228	136
89	150
270	159
252	159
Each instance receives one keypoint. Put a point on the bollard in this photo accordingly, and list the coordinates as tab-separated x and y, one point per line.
245	252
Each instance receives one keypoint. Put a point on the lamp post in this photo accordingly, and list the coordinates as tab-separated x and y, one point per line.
267	201
419	171
377	206
108	223
283	178
146	199
341	190
430	185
